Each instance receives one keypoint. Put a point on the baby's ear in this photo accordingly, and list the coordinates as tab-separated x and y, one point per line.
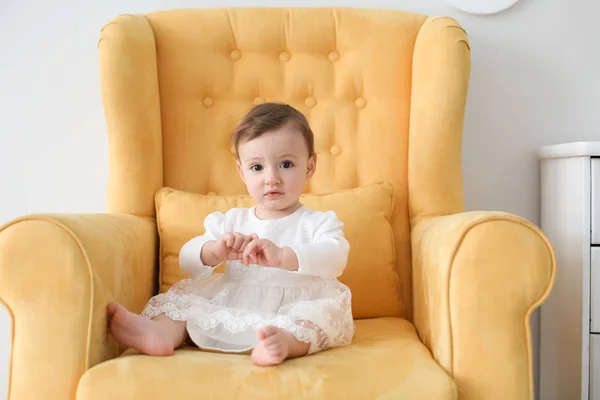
238	166
311	166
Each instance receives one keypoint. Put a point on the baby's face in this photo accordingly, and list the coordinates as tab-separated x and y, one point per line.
274	168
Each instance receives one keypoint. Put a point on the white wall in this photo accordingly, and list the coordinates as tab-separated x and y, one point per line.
534	82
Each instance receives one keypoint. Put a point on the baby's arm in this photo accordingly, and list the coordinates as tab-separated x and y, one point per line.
193	259
326	256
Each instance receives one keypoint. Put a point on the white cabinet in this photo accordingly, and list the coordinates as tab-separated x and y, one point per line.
570	317
595	367
595	200
595	291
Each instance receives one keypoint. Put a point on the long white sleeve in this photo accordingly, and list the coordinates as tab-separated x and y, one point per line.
327	254
189	255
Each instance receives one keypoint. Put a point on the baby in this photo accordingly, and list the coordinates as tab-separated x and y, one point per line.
278	297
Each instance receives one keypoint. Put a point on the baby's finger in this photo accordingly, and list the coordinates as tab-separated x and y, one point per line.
238	240
228	239
247	239
247	251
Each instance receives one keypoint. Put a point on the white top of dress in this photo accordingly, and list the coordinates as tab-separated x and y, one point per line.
316	237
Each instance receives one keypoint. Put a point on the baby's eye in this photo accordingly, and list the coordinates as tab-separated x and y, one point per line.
256	167
287	164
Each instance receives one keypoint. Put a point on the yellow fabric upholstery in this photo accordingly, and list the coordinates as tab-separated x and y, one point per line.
478	276
385	92
58	272
130	96
365	212
386	361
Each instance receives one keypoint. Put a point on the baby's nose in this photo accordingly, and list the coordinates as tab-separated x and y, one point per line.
272	178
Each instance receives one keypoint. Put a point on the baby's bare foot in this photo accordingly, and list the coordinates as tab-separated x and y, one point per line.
273	346
138	332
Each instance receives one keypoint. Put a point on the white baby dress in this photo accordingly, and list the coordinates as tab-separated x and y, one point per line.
223	311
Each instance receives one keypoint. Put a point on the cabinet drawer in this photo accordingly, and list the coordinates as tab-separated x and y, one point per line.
595	290
595	177
594	367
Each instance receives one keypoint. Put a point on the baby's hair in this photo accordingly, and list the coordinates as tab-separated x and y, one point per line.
268	117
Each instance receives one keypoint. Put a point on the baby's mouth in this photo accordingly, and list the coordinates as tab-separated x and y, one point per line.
273	193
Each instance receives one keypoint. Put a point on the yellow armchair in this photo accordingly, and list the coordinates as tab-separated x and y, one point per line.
385	93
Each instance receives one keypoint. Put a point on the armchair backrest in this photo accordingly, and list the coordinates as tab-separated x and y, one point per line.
384	92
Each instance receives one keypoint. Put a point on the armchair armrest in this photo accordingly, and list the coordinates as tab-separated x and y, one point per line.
477	277
58	272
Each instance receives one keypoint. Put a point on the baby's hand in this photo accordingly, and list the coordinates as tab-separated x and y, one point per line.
262	252
231	245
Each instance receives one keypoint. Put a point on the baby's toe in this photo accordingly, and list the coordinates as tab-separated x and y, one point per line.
275	347
270	330
278	356
272	340
266	332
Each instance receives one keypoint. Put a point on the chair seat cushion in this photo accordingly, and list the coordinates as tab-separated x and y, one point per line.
385	361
